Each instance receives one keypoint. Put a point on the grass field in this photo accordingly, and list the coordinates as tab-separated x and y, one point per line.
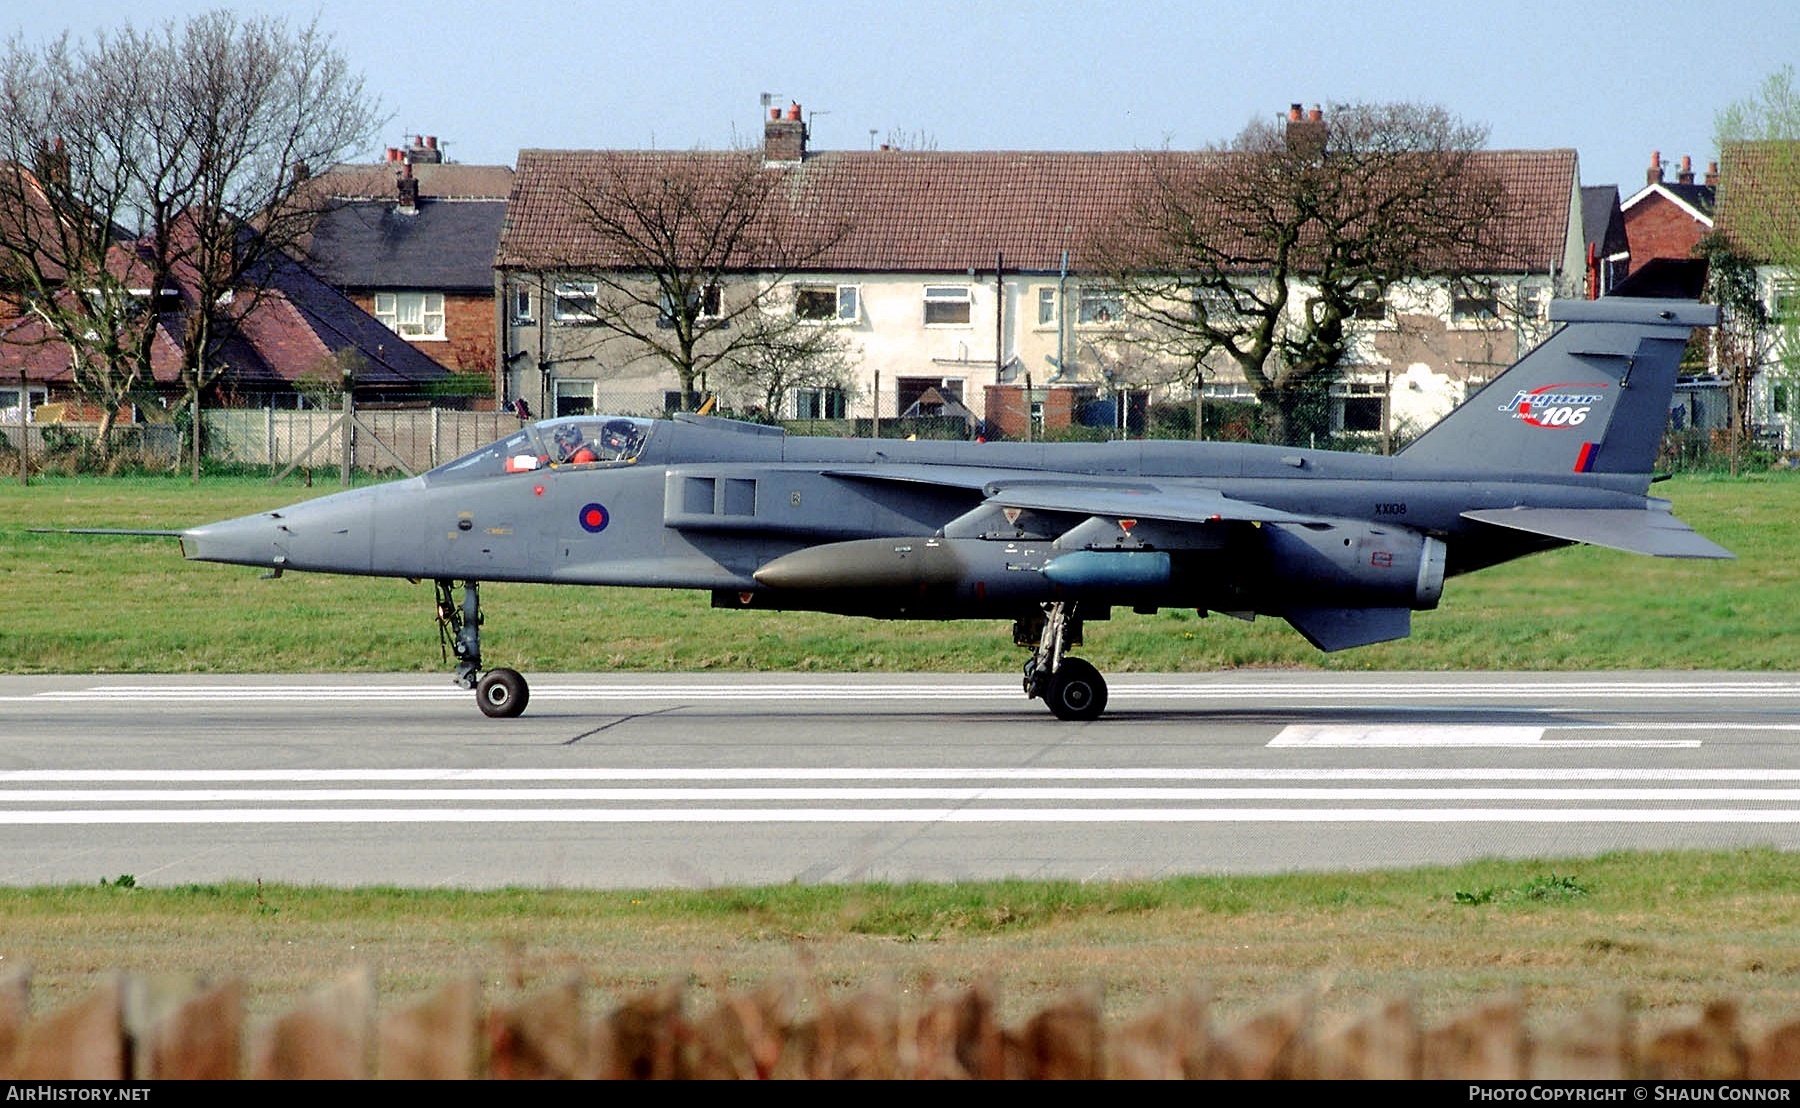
1670	930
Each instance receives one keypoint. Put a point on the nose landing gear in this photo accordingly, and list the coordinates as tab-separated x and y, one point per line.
502	693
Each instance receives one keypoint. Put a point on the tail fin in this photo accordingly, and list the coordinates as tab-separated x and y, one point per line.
1591	398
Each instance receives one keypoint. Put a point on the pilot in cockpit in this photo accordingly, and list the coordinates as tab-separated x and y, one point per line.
620	438
570	449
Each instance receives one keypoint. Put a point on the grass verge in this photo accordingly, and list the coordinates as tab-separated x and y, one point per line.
1672	931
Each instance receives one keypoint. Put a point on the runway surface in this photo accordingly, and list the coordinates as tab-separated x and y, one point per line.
730	779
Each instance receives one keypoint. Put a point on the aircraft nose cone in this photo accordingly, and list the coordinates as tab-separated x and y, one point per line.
245	541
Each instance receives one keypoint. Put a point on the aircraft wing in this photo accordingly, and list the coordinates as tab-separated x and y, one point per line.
1136	502
1636	531
949	476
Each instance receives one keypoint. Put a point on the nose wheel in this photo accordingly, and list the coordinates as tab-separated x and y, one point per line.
500	693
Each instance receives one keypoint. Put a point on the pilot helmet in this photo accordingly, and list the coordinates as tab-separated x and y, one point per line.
618	434
568	436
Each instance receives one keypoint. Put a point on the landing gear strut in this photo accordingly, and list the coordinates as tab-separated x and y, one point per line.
502	693
1073	689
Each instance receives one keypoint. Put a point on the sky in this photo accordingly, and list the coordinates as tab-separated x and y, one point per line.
1616	83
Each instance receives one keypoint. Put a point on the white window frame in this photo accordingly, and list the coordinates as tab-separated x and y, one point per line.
1344	393
846	307
416	316
950	297
1371	312
1099	306
712	306
576	388
1784	302
819	402
35	397
566	300
1049	306
521	304
1483	318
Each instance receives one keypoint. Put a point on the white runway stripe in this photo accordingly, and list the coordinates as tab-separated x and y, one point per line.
902	773
903	815
834	795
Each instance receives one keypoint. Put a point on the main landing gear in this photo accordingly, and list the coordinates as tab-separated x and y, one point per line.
501	693
1073	689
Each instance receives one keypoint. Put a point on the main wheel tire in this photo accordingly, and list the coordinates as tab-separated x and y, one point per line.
1077	691
502	693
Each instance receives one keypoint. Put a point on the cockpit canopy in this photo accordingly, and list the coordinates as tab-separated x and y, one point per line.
572	441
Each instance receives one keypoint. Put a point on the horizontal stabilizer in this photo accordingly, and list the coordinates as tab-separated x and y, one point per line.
1636	531
1341	628
1185	506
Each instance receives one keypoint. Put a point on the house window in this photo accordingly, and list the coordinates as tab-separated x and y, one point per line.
521	304
1047	306
1359	406
574	397
413	315
1100	306
1474	309
1784	398
576	302
947	305
9	402
819	403
825	303
1371	307
1787	303
706	304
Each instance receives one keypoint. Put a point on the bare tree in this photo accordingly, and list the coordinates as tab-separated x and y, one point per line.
691	251
250	106
66	185
1262	251
777	357
177	154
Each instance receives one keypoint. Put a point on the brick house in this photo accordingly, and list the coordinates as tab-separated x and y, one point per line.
297	328
1667	219
411	241
961	275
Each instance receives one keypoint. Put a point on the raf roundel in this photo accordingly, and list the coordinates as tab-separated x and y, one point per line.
593	518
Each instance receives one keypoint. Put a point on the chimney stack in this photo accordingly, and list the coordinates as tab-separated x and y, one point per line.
53	164
1653	175
784	140
1712	175
1686	175
409	190
1306	131
424	150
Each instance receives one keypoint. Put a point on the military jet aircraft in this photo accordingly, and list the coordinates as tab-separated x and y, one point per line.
1557	450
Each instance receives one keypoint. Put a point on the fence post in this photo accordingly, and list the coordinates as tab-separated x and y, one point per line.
196	436
344	429
269	434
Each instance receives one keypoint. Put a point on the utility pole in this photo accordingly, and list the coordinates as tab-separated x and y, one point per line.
24	432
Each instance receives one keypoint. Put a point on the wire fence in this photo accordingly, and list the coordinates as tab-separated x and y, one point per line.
389	440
